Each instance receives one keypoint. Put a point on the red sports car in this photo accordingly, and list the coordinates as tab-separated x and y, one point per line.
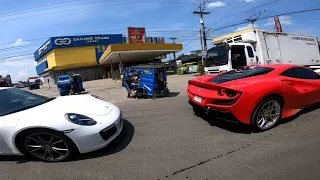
256	95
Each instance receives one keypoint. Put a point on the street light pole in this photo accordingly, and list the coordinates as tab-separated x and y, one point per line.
174	55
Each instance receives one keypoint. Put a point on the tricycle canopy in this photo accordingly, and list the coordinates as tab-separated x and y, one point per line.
146	80
70	84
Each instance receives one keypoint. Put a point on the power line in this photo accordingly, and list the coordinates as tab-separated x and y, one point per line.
253	7
267	17
289	13
106	31
37	7
72	9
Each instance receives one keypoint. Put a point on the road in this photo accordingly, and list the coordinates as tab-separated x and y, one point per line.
163	139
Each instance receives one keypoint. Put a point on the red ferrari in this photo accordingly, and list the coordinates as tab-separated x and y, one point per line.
258	95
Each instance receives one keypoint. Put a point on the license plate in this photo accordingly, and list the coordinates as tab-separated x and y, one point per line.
213	68
198	99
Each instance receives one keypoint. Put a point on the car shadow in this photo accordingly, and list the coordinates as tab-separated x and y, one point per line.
226	125
171	94
302	112
246	129
117	145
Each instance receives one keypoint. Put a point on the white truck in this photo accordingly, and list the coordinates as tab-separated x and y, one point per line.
262	47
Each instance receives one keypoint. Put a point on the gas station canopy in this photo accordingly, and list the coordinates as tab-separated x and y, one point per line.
143	52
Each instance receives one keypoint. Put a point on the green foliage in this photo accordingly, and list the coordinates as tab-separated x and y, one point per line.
182	70
201	69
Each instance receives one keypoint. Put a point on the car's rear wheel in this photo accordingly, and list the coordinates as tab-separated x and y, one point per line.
46	145
267	113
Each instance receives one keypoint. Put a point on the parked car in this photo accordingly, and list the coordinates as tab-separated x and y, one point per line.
55	129
258	95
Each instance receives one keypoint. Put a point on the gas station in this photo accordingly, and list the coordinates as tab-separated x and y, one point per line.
120	55
99	56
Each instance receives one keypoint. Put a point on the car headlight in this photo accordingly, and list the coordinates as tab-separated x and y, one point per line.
80	119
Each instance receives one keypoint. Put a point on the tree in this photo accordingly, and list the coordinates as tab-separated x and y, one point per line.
196	52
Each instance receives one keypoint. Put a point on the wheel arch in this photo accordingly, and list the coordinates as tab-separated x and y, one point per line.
17	135
274	94
278	95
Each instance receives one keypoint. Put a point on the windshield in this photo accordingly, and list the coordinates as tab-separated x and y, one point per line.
217	56
15	100
240	74
32	80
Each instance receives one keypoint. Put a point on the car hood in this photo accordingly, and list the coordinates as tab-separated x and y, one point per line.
80	104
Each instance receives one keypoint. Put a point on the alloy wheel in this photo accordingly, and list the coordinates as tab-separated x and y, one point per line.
47	147
268	114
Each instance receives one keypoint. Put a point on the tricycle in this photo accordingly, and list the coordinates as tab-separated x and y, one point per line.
70	84
144	81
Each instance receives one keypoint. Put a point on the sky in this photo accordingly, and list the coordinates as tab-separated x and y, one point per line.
25	25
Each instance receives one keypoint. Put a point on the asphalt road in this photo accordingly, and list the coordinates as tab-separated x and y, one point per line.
163	139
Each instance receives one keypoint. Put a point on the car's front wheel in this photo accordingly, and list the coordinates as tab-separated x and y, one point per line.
267	113
46	145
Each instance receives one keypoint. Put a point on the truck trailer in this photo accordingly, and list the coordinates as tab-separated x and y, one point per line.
5	81
34	83
257	46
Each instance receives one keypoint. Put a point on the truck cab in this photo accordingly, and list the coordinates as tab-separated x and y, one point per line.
255	46
229	56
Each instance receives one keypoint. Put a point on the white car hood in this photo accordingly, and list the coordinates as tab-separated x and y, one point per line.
80	104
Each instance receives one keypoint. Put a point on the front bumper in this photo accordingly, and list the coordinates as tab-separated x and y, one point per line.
91	138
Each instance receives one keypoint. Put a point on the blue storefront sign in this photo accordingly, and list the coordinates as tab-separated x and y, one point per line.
40	68
77	41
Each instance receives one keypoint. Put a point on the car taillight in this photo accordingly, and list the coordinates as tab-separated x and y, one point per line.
189	82
228	93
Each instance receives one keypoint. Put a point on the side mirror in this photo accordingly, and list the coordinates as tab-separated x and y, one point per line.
226	46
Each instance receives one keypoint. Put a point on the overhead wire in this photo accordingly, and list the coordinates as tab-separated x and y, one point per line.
102	5
228	26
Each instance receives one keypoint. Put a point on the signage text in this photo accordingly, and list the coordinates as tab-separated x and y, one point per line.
44	47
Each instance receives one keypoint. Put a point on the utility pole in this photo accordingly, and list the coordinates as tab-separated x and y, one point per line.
201	13
173	41
174	55
253	20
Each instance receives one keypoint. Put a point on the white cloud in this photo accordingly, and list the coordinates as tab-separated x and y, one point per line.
22	74
20	42
4	72
249	1
246	27
284	20
17	61
216	4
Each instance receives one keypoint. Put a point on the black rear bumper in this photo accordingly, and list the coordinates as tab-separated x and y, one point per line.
226	116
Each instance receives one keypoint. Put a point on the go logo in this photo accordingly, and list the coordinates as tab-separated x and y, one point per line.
62	41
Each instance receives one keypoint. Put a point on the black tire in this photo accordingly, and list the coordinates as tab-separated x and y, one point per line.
23	139
254	116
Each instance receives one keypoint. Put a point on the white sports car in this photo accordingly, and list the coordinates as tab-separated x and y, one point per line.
55	129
